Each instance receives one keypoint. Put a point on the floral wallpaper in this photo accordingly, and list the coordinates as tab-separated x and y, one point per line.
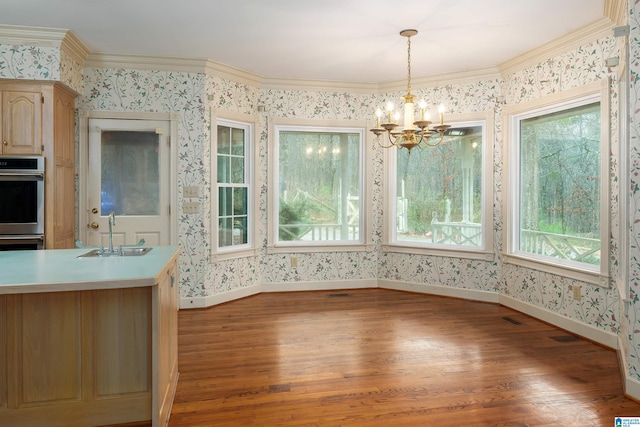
70	72
29	62
194	95
633	331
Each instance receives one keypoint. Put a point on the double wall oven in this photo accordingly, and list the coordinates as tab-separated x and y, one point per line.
21	202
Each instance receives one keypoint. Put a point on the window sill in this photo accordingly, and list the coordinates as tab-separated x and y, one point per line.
293	248
233	254
454	252
588	276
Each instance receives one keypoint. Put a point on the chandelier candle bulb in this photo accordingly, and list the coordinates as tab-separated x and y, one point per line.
378	116
390	111
423	106
409	115
441	111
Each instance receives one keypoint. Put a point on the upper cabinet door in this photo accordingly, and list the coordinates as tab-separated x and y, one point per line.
21	122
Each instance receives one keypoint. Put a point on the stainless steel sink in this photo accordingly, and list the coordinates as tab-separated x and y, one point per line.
126	251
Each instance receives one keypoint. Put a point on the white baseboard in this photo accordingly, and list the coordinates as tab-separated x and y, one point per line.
210	300
607	339
320	286
469	294
631	385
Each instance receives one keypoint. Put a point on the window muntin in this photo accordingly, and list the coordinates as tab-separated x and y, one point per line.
233	185
319	176
558	207
439	192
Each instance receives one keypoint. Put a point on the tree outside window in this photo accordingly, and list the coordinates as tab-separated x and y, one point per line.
560	184
319	185
439	191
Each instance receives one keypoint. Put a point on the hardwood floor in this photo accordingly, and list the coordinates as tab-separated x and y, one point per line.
378	357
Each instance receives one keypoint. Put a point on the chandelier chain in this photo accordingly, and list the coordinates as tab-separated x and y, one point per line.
408	65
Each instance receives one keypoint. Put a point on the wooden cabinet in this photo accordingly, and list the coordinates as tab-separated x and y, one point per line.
38	118
167	344
60	172
91	357
21	123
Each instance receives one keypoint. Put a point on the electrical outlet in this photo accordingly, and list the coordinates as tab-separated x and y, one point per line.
190	191
190	207
294	261
577	292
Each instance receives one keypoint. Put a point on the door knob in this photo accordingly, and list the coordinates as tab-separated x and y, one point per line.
94	225
5	142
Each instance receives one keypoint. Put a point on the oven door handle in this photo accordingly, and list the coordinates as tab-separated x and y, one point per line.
31	237
22	175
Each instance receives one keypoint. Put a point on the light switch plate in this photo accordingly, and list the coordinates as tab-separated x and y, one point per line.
190	207
190	191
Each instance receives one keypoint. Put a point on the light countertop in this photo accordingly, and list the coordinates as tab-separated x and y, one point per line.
61	270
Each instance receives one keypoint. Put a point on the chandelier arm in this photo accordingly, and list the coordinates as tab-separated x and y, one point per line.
438	142
378	139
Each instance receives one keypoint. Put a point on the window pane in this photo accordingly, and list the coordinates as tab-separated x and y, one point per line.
239	201
224	201
319	186
130	175
237	170
225	232
560	184
224	140
240	231
439	191
237	142
224	172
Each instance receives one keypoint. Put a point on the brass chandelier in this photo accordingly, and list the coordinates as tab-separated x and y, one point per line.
415	133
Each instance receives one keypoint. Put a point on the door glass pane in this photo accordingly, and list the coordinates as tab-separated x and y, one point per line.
130	174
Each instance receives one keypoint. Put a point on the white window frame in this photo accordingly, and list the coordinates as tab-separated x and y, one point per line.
333	126
248	123
597	274
483	252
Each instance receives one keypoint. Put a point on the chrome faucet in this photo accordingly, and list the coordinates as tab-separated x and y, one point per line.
112	222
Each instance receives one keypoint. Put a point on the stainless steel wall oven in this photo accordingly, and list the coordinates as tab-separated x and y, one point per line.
21	202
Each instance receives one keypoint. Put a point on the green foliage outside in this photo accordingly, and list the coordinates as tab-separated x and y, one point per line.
296	212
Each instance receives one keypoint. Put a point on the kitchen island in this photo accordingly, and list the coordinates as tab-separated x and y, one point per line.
87	341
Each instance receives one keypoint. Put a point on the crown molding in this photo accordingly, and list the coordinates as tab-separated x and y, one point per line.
617	11
30	36
66	40
232	73
601	28
319	85
145	62
462	77
74	47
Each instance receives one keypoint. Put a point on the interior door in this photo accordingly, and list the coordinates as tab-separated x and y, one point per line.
128	175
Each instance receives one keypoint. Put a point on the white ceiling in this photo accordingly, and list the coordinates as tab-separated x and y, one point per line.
333	40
